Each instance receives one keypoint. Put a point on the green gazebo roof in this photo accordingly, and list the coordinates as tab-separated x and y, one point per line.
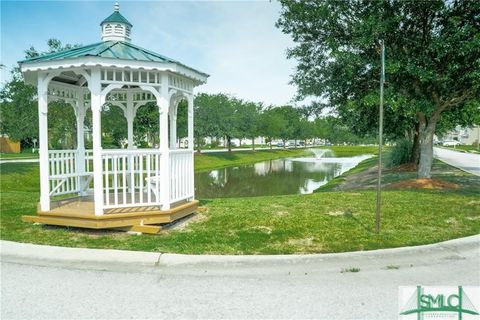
116	17
108	49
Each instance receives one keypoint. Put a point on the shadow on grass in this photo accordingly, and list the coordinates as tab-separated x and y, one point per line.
17	167
204	202
349	215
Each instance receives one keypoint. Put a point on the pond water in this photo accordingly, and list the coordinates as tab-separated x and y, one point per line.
274	177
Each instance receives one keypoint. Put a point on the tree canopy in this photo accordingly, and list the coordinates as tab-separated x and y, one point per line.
432	64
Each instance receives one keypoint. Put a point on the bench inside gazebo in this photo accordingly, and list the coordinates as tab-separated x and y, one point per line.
114	188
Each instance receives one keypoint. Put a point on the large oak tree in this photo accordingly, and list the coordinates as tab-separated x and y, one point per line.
432	65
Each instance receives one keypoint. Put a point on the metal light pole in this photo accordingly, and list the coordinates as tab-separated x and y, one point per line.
380	141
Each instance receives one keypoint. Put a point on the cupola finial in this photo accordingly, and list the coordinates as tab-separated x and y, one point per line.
115	27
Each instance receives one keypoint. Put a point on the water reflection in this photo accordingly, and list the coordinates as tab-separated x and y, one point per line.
274	177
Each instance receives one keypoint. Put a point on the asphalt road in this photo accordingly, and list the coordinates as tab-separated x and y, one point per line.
466	161
297	288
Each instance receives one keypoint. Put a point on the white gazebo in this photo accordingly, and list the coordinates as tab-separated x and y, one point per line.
114	187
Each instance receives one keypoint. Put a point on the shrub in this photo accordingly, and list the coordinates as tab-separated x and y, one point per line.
214	144
400	153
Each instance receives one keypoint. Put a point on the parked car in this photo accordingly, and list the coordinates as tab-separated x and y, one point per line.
450	143
281	145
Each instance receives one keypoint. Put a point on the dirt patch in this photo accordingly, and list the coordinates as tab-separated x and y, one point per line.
406	167
279	210
452	221
335	213
473	218
301	242
362	180
79	233
184	224
436	184
280	213
263	229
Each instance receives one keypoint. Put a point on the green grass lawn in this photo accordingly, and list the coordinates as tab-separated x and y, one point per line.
350	151
320	222
22	155
465	148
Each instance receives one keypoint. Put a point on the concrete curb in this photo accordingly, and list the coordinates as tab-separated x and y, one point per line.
15	252
25	252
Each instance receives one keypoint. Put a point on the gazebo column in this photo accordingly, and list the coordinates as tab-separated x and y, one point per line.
190	122
42	92
173	125
163	104
130	115
80	161
162	99
96	106
190	142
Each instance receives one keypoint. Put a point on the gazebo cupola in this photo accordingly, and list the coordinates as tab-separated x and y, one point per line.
116	27
114	187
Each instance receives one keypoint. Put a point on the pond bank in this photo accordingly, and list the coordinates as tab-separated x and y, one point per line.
210	161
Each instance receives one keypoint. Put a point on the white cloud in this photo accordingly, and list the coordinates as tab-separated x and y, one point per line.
236	43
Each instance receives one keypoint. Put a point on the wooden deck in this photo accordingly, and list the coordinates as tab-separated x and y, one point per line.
79	212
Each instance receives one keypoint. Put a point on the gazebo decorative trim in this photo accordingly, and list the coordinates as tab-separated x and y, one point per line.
147	185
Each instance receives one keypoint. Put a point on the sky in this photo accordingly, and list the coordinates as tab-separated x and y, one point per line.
235	42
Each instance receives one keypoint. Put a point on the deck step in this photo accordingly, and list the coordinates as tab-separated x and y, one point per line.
150	229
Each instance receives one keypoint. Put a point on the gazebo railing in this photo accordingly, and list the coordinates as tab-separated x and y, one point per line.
130	178
181	175
62	172
89	160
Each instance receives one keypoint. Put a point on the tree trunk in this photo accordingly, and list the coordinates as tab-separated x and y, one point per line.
415	156
284	144
295	146
426	133
229	143
270	142
198	146
253	144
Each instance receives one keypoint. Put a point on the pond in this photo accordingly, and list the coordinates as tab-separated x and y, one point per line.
274	177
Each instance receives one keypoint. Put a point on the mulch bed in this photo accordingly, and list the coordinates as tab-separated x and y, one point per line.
423	184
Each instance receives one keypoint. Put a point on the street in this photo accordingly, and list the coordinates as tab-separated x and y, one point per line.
465	161
304	287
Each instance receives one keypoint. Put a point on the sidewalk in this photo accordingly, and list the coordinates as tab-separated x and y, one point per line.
16	160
